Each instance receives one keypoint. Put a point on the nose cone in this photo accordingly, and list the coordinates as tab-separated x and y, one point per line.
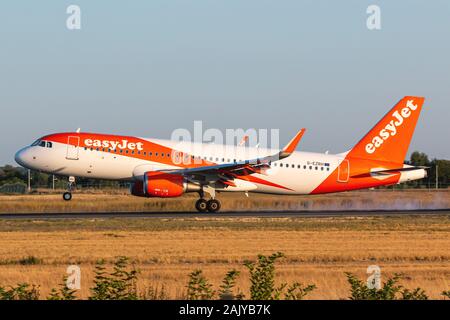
21	157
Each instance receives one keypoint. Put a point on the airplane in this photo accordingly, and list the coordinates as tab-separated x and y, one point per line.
165	168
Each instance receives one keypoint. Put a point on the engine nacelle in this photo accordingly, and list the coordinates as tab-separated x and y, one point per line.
163	185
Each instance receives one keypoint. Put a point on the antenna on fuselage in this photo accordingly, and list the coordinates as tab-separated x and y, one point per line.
78	130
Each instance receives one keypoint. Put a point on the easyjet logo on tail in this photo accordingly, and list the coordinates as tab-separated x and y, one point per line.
124	144
392	127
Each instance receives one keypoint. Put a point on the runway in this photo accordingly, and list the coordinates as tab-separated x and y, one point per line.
224	214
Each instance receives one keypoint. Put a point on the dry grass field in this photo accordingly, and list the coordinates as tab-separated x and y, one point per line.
318	250
120	200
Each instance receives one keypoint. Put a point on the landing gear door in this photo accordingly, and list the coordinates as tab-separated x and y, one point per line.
72	147
344	171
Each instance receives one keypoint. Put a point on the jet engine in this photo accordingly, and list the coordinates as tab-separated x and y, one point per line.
162	185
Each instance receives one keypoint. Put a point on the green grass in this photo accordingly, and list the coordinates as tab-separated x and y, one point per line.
428	223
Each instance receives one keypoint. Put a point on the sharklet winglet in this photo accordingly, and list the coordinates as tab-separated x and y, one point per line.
292	145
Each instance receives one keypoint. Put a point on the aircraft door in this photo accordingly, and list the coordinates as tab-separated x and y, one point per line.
344	171
72	148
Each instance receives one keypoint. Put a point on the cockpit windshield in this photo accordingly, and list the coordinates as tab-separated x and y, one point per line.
42	143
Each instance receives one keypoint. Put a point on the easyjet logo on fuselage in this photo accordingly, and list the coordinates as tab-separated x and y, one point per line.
391	128
114	144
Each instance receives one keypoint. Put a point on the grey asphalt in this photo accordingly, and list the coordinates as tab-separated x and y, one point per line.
224	214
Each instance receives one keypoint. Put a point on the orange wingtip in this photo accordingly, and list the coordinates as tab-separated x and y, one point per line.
292	145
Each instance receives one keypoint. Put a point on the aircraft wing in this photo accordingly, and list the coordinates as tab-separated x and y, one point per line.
228	171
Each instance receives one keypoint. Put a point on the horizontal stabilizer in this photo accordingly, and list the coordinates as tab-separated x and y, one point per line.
387	172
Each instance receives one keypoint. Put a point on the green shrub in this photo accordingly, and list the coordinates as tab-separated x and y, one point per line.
297	292
120	284
391	290
262	278
415	294
227	286
446	294
63	292
198	287
154	293
23	291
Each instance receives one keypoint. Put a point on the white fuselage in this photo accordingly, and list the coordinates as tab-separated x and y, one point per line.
300	173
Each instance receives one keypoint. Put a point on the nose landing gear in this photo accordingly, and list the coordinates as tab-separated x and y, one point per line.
67	196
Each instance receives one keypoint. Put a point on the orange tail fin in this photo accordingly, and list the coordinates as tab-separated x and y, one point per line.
390	138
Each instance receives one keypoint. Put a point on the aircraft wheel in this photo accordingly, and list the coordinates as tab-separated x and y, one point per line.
213	205
201	205
67	196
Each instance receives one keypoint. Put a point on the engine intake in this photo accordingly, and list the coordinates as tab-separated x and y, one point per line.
162	185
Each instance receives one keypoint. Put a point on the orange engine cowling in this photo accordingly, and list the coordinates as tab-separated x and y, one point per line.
163	185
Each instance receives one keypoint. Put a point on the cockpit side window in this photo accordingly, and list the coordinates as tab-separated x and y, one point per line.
42	144
37	142
49	144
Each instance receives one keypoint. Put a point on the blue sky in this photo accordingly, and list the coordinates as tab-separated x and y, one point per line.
146	68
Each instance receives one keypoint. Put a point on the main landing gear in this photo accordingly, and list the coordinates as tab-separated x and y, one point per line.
203	205
67	196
